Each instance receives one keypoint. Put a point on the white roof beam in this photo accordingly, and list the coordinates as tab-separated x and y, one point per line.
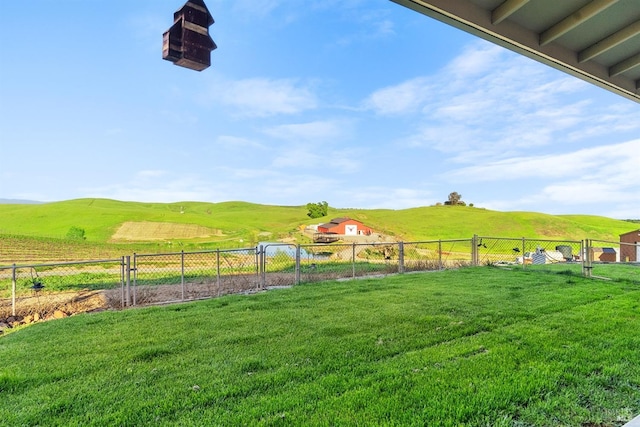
610	42
505	10
626	65
574	20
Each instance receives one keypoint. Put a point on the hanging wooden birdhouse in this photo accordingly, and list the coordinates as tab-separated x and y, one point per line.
188	43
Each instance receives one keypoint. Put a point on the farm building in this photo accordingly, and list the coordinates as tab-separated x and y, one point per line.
630	246
605	254
333	230
345	226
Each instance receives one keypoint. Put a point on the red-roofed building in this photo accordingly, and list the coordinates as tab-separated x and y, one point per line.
345	226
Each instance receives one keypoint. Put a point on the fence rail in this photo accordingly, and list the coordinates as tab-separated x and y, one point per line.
142	279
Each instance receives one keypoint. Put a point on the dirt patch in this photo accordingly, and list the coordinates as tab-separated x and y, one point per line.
147	231
45	304
45	307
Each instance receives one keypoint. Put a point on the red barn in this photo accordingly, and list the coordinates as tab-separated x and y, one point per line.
629	252
345	226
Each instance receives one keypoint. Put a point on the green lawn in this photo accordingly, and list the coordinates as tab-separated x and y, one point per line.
613	271
473	347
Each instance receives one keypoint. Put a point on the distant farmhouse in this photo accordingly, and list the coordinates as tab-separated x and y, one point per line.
630	246
333	230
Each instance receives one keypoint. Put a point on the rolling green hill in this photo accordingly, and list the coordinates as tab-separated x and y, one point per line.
233	224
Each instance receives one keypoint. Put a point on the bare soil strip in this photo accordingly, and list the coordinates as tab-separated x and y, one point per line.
145	231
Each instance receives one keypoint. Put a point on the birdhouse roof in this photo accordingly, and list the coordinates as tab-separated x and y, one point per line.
195	5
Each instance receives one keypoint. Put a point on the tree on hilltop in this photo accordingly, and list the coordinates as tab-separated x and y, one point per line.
317	210
454	199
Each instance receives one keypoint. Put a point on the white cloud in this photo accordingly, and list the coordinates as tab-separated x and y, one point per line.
262	97
317	158
475	59
287	187
382	197
618	118
327	131
521	130
370	26
164	188
607	162
599	179
403	98
235	142
298	157
477	112
151	174
236	173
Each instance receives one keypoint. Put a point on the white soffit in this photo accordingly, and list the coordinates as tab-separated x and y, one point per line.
595	40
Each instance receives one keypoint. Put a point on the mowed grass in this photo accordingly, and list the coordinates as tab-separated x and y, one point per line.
605	271
475	347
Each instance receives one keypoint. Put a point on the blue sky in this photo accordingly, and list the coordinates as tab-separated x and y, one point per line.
362	103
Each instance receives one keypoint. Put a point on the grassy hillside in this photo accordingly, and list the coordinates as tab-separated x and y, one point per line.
240	223
101	218
450	222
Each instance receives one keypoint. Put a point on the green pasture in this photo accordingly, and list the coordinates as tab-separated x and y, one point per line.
100	218
474	347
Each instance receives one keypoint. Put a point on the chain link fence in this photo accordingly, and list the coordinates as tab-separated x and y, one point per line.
437	255
184	276
612	260
41	290
278	264
45	290
535	253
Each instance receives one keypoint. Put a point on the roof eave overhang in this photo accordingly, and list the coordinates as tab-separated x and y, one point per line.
478	21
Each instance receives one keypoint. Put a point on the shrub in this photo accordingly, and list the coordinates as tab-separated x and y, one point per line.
76	233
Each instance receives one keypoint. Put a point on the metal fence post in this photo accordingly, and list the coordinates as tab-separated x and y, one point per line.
13	290
440	254
135	279
218	270
261	260
353	260
524	242
182	273
582	255
297	278
400	257
474	250
128	280
122	281
588	262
